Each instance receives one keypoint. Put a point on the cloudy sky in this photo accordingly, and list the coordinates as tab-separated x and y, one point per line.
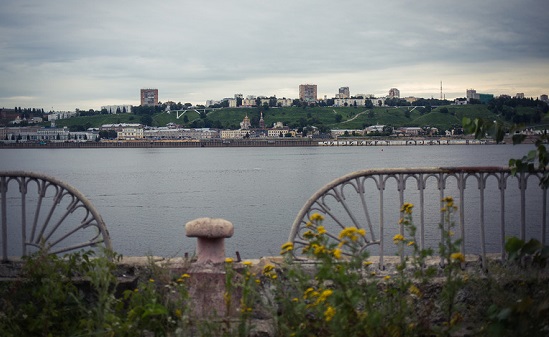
68	54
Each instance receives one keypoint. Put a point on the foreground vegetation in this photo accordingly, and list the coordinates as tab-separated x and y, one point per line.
343	294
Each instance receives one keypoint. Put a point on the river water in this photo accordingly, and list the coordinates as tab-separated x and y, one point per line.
147	195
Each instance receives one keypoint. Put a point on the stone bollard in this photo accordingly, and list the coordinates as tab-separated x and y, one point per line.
207	282
210	234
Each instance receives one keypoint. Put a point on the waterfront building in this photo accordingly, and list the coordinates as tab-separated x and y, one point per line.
167	133
308	92
149	97
233	134
119	126
36	134
410	131
374	128
349	132
519	95
130	132
544	98
53	134
279	132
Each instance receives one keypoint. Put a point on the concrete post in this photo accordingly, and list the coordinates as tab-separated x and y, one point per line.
210	234
207	282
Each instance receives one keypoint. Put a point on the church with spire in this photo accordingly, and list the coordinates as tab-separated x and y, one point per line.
246	130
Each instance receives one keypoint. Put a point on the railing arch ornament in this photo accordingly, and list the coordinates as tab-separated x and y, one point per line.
41	211
481	223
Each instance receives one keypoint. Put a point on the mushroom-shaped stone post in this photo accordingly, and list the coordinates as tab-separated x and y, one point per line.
210	234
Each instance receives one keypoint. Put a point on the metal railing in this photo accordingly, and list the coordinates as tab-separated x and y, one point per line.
41	211
492	204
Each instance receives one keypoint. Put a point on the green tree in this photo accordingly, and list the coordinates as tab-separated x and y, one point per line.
146	120
537	159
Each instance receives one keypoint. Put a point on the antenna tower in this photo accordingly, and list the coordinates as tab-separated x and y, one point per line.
441	90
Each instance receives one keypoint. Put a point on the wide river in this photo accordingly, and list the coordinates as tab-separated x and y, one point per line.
147	195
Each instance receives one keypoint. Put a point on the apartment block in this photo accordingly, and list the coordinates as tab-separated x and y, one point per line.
308	92
149	97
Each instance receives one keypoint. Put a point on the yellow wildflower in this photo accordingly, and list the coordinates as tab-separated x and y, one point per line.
308	235
407	208
319	249
178	313
308	292
321	230
414	290
457	257
287	247
316	217
247	263
367	263
411	243
329	313
448	199
337	253
268	268
351	233
228	260
151	280
308	224
295	299
387	277
324	295
398	238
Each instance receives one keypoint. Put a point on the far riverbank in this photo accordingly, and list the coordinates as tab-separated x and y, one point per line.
284	142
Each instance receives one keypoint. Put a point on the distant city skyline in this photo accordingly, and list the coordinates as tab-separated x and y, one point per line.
64	54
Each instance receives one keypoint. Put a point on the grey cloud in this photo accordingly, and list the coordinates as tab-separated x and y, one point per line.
216	45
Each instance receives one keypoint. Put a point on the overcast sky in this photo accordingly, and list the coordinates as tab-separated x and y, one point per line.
68	54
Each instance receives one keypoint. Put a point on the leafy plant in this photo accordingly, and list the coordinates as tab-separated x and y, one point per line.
537	159
526	253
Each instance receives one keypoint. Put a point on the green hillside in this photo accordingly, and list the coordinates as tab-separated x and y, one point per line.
443	117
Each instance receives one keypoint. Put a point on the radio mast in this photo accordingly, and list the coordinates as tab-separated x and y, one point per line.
440	90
